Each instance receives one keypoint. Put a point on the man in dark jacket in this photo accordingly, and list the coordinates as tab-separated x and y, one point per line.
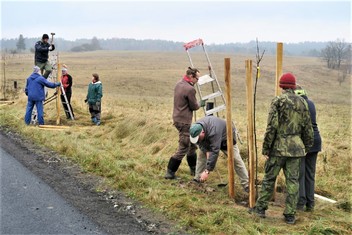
288	137
41	55
95	93
185	102
66	81
36	95
211	135
308	163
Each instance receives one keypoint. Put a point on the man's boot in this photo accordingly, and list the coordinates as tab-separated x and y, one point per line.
172	168
46	74
192	162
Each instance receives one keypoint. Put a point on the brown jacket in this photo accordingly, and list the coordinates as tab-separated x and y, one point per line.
185	102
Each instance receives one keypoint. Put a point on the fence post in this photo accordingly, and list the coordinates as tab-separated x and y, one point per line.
230	156
250	133
58	90
279	56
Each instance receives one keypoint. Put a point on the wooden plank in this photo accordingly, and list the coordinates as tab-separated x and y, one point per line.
53	127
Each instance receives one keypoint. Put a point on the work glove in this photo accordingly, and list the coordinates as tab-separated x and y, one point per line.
97	103
58	84
202	103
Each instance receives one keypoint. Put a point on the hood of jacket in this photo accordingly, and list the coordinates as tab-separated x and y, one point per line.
33	76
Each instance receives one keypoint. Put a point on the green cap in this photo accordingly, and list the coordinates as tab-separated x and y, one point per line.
195	131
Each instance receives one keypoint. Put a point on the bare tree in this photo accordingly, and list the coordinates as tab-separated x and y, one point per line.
337	55
341	51
327	55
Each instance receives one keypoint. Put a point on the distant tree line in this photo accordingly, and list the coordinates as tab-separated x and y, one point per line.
295	49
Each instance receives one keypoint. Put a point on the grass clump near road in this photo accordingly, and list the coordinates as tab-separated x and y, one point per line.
131	148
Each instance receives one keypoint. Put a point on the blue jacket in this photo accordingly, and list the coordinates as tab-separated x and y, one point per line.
35	87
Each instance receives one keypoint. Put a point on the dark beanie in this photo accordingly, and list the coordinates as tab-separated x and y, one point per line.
288	81
45	36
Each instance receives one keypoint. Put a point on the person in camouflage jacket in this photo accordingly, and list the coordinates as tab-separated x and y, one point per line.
288	137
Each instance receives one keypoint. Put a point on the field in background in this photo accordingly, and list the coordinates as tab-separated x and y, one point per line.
132	147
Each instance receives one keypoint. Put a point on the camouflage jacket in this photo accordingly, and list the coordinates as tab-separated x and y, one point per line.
289	132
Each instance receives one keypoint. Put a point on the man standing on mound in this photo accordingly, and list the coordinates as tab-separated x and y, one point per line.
185	102
41	55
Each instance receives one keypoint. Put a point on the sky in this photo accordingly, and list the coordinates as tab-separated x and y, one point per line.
216	22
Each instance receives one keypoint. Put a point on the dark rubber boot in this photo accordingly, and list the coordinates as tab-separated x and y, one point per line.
192	162
46	74
172	168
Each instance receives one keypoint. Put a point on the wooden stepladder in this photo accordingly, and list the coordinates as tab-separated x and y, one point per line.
212	94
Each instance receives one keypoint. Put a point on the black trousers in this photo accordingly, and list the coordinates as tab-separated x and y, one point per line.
307	180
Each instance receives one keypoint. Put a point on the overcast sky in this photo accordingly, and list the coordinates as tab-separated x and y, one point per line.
213	21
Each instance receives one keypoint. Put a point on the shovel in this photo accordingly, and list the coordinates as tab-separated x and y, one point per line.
222	184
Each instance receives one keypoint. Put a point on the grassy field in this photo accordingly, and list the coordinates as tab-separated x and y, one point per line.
132	146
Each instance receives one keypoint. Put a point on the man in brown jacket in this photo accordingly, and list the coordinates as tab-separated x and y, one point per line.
185	102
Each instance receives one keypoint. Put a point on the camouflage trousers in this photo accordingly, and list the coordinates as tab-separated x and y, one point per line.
44	66
273	165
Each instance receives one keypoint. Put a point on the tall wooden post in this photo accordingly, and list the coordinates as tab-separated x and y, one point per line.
3	81
279	56
250	133
58	90
279	59
230	156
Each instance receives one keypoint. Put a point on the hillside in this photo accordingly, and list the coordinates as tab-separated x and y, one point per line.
132	146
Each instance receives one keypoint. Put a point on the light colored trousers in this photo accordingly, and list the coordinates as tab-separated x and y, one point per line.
239	165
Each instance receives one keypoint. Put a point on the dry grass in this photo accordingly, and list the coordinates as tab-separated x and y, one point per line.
132	147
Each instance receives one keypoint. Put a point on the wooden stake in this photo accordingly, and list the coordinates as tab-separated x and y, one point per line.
58	90
250	133
279	56
230	156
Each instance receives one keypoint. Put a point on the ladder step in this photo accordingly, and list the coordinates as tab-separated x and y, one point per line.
215	110
205	79
212	96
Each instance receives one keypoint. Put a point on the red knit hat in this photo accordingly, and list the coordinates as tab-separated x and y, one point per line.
288	81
